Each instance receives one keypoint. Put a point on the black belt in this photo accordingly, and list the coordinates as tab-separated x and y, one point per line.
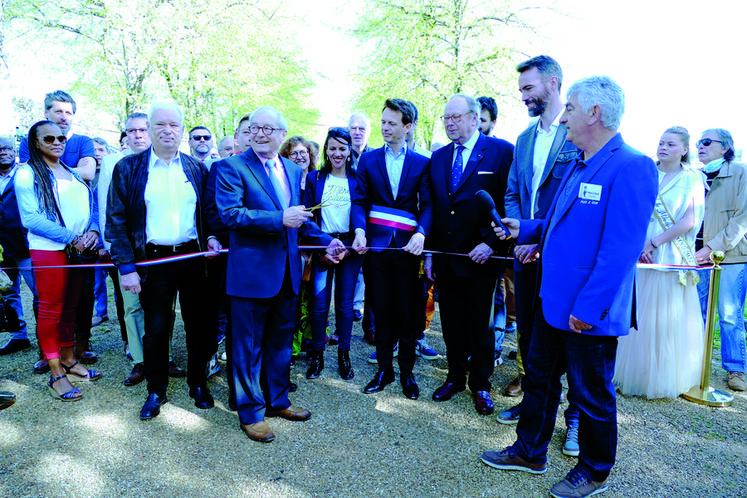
183	248
341	235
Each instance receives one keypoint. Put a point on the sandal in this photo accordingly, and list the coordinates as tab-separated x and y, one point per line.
73	394
91	375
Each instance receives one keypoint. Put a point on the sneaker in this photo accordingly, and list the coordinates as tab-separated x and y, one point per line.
357	315
570	447
509	460
735	381
98	320
423	350
577	485
510	416
213	367
224	356
372	358
498	361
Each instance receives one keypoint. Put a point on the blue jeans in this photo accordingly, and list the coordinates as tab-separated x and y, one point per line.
589	362
13	295
345	275
731	317
99	291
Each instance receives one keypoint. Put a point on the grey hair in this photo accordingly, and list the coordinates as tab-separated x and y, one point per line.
166	105
726	141
282	123
472	104
361	115
601	91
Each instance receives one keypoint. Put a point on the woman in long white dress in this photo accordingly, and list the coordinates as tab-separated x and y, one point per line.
662	359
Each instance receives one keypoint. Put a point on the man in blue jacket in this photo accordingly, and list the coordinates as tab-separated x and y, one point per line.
590	242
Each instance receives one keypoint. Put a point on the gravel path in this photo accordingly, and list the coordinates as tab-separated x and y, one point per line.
354	444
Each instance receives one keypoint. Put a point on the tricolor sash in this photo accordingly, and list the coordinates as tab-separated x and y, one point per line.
394	218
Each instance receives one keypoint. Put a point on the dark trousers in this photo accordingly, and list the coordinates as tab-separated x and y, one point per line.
465	304
590	364
262	342
525	286
399	316
84	312
220	305
157	299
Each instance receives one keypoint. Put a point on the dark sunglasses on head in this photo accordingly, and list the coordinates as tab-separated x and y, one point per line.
205	138
49	139
708	141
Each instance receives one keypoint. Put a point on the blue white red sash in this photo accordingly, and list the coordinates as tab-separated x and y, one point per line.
395	218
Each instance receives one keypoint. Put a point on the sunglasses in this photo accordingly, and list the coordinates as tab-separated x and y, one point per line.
205	138
708	141
49	139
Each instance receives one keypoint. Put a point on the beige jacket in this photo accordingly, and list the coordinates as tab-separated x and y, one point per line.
725	222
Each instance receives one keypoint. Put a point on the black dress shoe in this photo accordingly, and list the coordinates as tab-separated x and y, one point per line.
203	398
15	345
483	403
316	364
136	376
380	381
152	406
409	387
447	390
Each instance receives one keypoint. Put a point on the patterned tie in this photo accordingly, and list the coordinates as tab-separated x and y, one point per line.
278	183
456	169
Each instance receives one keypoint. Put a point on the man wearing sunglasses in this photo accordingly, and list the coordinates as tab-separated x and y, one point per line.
200	143
60	108
724	229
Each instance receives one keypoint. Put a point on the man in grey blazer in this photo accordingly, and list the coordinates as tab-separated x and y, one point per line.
540	159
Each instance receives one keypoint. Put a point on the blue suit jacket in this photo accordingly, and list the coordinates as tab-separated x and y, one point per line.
373	188
519	189
458	223
260	247
590	247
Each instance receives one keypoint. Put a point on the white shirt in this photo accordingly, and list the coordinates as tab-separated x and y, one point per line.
467	151
336	205
394	165
542	144
170	203
72	199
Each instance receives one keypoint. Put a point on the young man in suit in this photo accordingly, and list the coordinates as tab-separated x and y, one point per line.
590	242
391	212
472	162
257	195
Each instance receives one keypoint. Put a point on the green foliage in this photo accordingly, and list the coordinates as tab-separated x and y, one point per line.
427	50
218	59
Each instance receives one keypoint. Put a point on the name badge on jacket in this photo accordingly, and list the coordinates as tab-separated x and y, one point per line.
590	193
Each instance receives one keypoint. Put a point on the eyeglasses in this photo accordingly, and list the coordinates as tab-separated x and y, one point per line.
298	153
205	138
49	139
708	141
267	130
132	131
455	118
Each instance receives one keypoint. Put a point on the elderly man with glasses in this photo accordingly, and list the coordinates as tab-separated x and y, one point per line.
257	195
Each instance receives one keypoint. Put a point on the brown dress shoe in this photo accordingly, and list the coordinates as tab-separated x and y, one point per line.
514	388
136	376
86	357
175	371
293	413
446	391
483	403
259	432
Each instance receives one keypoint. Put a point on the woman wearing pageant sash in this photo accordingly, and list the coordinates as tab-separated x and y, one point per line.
662	359
57	209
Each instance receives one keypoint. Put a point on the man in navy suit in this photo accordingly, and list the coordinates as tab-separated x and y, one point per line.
257	194
541	157
590	242
472	162
391	212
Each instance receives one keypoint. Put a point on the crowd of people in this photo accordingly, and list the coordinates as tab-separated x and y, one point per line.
384	231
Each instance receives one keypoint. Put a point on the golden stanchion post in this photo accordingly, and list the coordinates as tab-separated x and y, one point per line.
704	394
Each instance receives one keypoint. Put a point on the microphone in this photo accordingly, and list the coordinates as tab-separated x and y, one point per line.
486	204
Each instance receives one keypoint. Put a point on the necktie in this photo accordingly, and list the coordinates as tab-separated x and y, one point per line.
456	169
278	182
